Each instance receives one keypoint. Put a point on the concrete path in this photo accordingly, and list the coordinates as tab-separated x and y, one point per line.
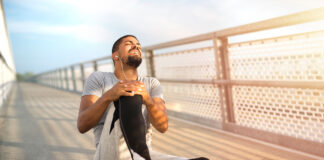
39	123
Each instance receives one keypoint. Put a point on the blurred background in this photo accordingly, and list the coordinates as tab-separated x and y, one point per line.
248	69
78	30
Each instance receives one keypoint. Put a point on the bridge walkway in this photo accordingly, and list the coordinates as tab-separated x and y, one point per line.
39	123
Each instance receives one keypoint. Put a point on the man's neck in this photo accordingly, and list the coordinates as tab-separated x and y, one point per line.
129	73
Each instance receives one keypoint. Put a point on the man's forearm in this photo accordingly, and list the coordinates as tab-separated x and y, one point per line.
91	116
158	116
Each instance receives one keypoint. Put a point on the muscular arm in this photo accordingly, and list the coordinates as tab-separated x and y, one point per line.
91	110
92	107
157	114
155	107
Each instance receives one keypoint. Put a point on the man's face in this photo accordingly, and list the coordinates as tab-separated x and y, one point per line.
130	52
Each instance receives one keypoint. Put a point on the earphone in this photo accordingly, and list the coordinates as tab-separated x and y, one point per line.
122	67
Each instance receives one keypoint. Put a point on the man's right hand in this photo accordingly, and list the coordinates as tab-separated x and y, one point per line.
92	107
123	88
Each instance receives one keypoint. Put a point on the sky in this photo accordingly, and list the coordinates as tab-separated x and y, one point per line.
50	34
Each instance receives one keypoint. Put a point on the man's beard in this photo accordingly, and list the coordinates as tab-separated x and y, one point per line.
133	61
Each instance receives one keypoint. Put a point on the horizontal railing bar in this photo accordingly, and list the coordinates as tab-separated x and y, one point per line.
186	50
272	38
283	21
98	59
76	64
282	84
105	63
198	38
292	19
200	81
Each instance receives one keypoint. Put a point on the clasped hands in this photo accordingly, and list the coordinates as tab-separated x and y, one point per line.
130	88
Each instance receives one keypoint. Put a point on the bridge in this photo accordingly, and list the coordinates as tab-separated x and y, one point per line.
227	97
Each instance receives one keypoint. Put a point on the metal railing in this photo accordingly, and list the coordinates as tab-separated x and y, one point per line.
270	89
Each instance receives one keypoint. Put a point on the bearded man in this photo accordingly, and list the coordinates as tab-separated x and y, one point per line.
103	88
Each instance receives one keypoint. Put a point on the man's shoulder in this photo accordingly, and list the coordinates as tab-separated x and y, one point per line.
151	81
100	77
100	74
146	78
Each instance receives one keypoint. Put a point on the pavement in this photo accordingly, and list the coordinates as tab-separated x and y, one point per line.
39	123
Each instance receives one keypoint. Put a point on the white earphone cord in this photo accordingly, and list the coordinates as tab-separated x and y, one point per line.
121	124
121	64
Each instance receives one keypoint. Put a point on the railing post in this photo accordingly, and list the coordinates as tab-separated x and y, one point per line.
224	57
95	66
73	79
66	78
46	79
51	79
61	78
218	66
39	79
57	79
150	63
82	75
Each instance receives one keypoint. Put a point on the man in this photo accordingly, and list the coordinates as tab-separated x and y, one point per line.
103	88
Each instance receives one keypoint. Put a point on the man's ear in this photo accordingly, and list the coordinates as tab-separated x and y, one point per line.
115	56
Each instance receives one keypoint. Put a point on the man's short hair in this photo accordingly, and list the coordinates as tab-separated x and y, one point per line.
117	43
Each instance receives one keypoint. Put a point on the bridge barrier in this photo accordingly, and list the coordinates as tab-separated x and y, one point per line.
271	89
7	68
7	78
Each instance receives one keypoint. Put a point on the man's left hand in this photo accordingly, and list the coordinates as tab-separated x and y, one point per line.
141	90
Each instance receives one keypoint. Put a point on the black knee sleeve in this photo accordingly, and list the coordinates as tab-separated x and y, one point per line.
132	123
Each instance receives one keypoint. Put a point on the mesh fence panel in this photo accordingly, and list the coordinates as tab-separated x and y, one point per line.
188	64
88	69
107	67
78	78
298	57
63	79
290	111
142	71
293	112
70	82
201	100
